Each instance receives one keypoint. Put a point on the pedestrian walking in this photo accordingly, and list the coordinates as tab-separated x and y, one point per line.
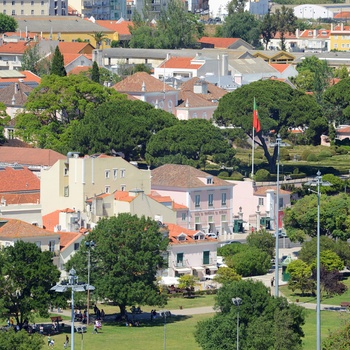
272	281
66	342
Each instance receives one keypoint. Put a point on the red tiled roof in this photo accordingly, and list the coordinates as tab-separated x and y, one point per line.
20	35
17	229
261	191
343	14
123	196
184	176
193	100
338	28
70	57
175	231
26	77
20	198
344	130
73	47
67	238
122	28
219	43
180	62
29	156
52	219
14	48
286	35
16	180
77	70
280	67
133	83
15	94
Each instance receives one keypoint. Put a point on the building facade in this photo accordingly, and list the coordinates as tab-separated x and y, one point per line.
35	7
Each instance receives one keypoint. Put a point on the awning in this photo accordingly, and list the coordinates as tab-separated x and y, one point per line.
183	269
198	268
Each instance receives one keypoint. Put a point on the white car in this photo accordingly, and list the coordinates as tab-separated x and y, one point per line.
212	235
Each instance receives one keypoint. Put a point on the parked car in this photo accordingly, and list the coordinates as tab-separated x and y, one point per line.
212	235
281	234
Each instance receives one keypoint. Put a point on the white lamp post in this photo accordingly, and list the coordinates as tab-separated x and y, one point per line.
75	287
237	302
318	183
278	141
164	313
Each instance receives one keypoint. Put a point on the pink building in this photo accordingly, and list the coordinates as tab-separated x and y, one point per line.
209	199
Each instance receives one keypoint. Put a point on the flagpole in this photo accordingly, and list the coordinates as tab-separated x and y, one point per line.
253	153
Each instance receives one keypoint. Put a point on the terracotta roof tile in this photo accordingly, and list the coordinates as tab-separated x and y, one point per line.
29	156
74	47
343	14
15	94
175	231
280	67
219	43
214	92
193	100
77	70
71	57
122	28
123	196
133	83
20	198
27	76
52	219
183	176
344	130
180	62
17	229
16	180
14	48
67	238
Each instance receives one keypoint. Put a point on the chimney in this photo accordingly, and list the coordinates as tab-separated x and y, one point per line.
342	26
16	88
237	78
297	33
143	88
315	33
224	67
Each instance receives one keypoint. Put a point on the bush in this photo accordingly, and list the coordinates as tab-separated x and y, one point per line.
312	158
237	176
341	150
262	175
223	174
284	154
305	154
296	171
324	154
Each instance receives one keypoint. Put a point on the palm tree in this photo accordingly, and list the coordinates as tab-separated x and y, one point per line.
99	38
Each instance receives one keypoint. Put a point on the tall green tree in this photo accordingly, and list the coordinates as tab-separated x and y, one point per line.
235	6
128	252
57	64
21	340
262	240
4	120
280	107
268	29
285	22
33	61
242	25
186	142
264	320
7	23
300	277
95	73
99	38
27	274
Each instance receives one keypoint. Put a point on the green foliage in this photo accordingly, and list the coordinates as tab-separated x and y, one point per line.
186	142
123	125
305	154
99	38
27	276
266	322
176	28
7	23
21	340
262	240
280	107
242	25
262	175
338	339
223	174
284	154
230	249
187	282
312	157
324	154
330	260
341	72
226	275
285	22
57	64
250	262
300	277
125	260
4	120
237	176
33	61
95	73
301	220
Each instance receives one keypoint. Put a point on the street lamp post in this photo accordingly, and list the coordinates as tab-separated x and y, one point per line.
89	245
75	286
164	313
237	302
318	183
278	141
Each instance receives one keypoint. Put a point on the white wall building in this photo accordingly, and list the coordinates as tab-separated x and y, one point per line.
311	11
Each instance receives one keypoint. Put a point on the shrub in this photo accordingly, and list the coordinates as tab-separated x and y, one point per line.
262	175
284	154
237	176
324	154
312	158
223	174
305	154
296	171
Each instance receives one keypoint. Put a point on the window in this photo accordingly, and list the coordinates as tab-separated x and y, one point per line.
66	172
210	181
52	246
13	3
261	201
107	189
210	218
335	37
32	12
123	187
22	12
280	203
107	173
22	2
122	173
76	246
32	3
13	13
335	46
4	2
183	216
4	12
42	12
42	3
38	244
210	200
115	174
206	255
197	200
223	218
223	198
179	259
66	191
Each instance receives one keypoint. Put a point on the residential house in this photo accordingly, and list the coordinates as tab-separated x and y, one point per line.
20	194
340	37
11	54
274	57
14	97
209	199
256	204
198	99
8	77
343	132
77	62
285	70
148	89
75	48
67	28
12	230
42	8
106	10
71	181
190	252
224	43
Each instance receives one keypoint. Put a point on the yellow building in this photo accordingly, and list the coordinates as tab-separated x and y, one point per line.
340	37
67	28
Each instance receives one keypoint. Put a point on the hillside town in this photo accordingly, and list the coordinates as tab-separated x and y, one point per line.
155	153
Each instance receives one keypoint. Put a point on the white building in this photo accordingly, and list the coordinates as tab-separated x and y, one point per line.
311	11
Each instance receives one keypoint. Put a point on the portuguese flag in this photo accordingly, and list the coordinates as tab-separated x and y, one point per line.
256	121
